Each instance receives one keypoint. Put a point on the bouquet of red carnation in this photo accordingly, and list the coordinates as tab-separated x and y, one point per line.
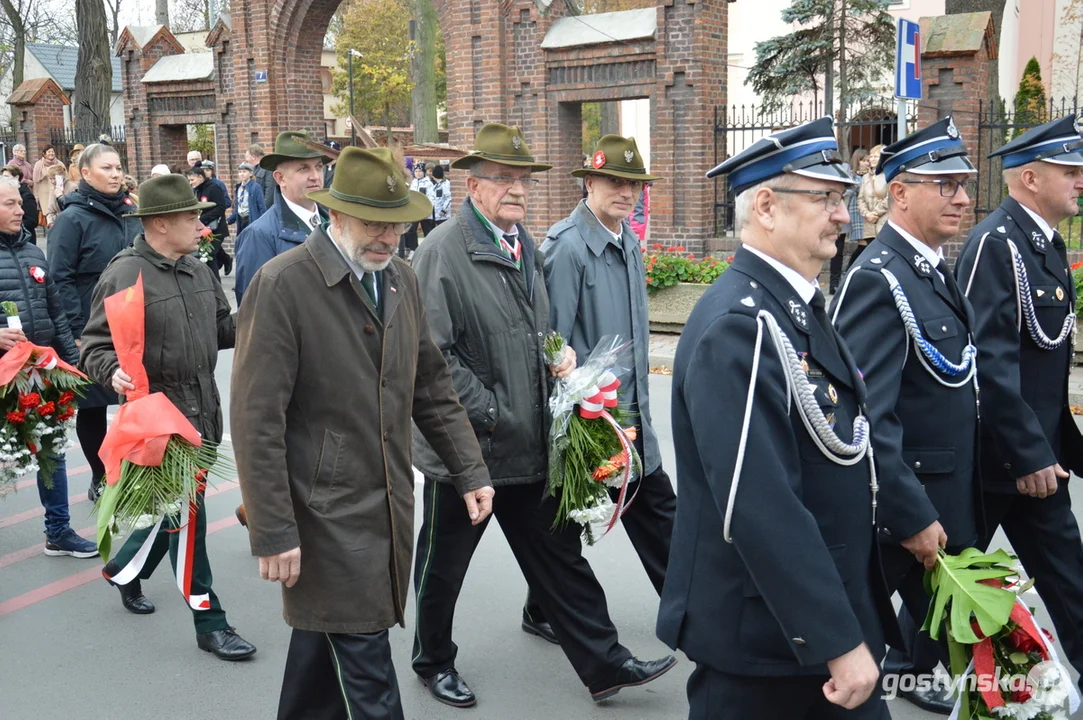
156	463
206	249
1004	665
38	393
590	450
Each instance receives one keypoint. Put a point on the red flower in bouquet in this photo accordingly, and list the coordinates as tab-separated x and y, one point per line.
1023	695
29	401
47	409
1022	642
16	417
66	398
66	414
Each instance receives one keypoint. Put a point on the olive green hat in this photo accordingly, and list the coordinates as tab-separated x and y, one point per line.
167	194
502	144
369	185
287	148
618	157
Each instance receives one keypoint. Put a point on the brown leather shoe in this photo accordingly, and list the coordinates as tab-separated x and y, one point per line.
242	516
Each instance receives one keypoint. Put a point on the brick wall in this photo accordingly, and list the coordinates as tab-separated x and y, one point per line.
39	104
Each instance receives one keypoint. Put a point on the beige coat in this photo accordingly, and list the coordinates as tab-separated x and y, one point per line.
872	199
323	394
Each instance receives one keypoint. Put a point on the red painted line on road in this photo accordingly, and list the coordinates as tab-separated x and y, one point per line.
85	577
90	532
33	480
37	512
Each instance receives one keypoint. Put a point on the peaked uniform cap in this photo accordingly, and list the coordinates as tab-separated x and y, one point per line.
502	144
368	185
935	150
809	150
167	194
287	148
616	156
1056	142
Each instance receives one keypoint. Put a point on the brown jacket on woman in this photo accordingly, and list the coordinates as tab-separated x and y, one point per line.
324	390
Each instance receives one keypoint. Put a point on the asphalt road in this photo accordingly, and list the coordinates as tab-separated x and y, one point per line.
69	651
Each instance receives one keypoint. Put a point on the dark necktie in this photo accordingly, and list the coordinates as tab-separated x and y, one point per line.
819	312
1062	251
949	281
368	281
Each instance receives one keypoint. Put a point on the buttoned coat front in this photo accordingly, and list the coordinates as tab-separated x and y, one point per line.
320	413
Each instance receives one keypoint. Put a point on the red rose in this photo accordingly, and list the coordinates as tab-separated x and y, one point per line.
29	401
16	417
66	413
66	398
1022	642
47	409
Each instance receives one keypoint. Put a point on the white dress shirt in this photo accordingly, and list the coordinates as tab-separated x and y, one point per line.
933	256
304	214
805	290
1040	222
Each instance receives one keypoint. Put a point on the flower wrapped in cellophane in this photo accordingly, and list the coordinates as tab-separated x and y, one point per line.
38	396
1003	664
156	463
590	448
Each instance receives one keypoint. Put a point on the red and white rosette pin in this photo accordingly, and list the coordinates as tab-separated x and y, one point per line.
599	160
37	273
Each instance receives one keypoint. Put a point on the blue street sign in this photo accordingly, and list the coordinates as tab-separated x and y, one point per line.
908	60
261	76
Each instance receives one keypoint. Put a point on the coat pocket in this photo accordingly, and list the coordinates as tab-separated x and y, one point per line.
1047	295
323	485
930	461
940	328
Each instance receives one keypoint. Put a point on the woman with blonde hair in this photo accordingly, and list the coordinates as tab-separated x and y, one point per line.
871	202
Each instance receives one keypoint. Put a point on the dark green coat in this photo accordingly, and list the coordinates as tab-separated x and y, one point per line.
188	321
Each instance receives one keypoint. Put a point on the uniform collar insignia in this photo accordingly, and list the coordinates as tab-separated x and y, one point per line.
922	264
799	314
1039	240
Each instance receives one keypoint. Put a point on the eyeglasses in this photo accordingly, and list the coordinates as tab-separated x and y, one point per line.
506	181
379	229
621	183
948	186
831	199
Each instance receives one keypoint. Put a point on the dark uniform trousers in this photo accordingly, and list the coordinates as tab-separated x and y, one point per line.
552	561
333	676
649	524
714	695
168	540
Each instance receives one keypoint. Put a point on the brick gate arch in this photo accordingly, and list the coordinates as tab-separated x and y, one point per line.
498	70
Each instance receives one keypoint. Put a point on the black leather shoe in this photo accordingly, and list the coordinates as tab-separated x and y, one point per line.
934	699
449	688
542	629
225	644
630	674
131	595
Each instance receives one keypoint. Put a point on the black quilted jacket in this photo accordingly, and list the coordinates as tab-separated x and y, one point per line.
26	281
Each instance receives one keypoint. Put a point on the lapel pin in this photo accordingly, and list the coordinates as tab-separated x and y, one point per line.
832	393
1060	293
1039	293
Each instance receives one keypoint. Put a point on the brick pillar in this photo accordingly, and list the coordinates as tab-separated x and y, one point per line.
956	50
691	74
39	103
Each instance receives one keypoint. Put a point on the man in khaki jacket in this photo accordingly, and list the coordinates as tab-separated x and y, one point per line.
321	409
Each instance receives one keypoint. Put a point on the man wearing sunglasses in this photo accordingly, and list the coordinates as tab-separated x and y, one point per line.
597	287
911	331
1014	270
488	309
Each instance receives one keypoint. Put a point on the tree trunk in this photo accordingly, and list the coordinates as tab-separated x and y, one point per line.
387	113
610	118
94	73
161	12
114	29
423	72
844	135
829	70
18	28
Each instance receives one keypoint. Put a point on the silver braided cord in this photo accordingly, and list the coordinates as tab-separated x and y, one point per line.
927	352
1026	307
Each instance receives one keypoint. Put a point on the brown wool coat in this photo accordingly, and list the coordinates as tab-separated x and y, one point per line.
323	393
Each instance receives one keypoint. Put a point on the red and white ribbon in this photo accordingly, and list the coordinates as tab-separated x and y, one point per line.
186	543
597	398
592	406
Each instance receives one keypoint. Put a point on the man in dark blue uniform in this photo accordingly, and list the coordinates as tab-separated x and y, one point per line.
1015	272
910	330
773	586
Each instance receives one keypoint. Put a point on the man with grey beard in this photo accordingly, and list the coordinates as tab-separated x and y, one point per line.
321	409
488	310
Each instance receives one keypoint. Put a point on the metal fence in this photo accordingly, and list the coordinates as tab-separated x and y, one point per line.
996	126
64	139
7	139
870	123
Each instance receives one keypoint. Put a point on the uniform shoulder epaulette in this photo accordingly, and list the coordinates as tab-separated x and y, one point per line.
748	300
874	262
559	228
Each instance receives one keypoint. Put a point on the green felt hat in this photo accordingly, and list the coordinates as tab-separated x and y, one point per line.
167	194
616	156
287	147
502	144
369	185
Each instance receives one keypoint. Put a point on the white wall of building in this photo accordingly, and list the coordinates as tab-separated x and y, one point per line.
635	121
